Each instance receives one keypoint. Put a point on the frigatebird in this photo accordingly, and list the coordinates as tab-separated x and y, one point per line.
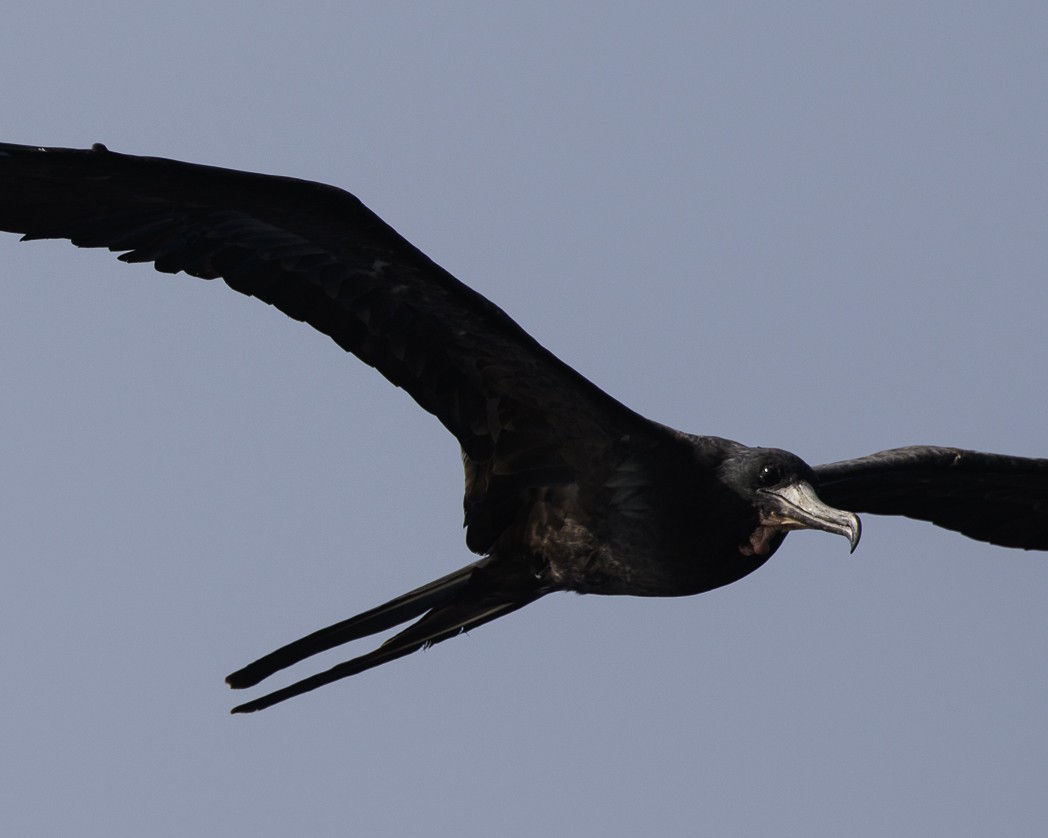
566	489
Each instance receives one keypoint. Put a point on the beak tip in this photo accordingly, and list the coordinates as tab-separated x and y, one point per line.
856	533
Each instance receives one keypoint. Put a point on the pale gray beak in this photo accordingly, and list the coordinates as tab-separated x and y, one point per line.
797	507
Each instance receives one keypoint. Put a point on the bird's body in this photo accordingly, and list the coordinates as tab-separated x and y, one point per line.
566	489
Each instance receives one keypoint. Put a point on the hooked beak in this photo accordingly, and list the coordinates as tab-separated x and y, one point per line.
797	507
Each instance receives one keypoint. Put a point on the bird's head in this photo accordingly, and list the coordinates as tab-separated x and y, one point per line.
781	489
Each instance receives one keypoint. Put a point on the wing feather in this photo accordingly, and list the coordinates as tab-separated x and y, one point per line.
989	497
322	257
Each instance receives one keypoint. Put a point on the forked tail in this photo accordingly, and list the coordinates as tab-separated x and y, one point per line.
453	606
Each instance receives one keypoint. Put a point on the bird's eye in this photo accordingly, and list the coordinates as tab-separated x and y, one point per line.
769	475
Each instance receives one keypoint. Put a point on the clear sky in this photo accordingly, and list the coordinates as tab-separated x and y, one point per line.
817	226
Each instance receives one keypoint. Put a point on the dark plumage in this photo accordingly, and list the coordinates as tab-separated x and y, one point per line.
566	488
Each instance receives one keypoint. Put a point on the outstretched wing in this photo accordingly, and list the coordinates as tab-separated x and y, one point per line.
320	256
988	497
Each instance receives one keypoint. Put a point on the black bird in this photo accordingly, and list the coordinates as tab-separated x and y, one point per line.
566	488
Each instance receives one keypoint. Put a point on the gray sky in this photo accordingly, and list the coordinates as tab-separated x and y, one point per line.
800	225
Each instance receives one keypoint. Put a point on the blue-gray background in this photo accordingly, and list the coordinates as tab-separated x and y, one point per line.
818	226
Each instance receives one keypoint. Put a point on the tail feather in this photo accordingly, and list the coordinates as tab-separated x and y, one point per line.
383	617
439	624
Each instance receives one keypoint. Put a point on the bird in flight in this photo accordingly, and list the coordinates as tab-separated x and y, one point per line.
566	489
